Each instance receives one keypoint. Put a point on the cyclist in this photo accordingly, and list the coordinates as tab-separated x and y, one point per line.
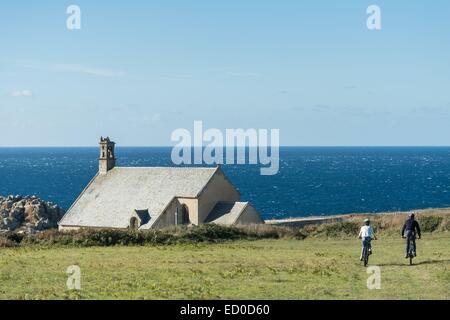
366	234
409	231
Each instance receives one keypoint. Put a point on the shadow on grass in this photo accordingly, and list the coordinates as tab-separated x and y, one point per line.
418	263
433	262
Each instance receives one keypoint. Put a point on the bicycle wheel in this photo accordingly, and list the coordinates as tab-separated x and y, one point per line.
366	256
410	253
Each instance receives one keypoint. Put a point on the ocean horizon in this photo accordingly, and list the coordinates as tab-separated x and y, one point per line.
312	181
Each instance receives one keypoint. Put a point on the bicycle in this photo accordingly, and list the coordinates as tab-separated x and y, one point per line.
366	251
412	248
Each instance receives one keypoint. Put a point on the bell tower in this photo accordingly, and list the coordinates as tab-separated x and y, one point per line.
107	160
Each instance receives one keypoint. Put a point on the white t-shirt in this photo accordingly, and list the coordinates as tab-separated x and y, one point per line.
366	232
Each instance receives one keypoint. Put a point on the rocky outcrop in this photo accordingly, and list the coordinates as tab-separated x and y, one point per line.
28	214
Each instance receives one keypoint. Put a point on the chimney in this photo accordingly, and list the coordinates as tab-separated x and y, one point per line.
107	160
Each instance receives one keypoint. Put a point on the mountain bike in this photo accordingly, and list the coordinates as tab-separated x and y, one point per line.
412	249
366	251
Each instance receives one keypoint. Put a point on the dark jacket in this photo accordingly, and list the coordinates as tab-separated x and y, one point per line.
411	225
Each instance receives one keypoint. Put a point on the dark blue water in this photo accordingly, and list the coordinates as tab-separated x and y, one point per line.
311	181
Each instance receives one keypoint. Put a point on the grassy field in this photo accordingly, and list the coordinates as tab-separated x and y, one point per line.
314	268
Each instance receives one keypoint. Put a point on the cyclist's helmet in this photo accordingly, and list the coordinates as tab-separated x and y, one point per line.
366	221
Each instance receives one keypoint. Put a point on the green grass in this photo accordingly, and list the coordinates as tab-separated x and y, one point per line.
314	268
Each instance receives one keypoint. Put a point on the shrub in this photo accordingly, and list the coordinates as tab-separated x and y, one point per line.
430	223
173	235
212	233
10	239
332	230
14	237
6	243
341	229
267	231
445	224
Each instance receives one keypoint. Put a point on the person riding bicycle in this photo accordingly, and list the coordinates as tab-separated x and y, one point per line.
366	234
409	231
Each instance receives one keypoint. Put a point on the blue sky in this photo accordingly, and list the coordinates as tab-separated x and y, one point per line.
138	70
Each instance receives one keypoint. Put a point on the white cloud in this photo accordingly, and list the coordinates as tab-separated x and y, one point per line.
66	67
88	70
22	93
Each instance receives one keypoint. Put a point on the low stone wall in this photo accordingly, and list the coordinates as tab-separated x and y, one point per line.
301	222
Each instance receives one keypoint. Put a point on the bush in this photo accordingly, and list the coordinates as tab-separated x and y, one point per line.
341	229
333	230
445	224
6	243
210	233
193	234
267	231
430	223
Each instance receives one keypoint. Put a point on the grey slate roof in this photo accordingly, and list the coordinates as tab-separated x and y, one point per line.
110	199
226	213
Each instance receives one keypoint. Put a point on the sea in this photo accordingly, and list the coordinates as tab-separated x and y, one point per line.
312	181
